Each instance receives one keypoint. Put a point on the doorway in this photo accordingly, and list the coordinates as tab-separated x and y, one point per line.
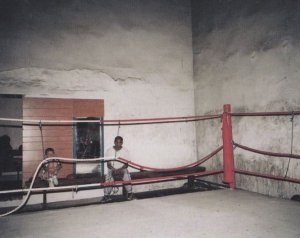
10	142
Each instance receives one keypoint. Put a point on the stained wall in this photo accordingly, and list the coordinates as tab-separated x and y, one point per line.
167	58
246	53
135	55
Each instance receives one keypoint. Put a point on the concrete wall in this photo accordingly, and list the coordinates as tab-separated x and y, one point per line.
247	54
136	55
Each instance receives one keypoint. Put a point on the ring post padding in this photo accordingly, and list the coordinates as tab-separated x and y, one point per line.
228	162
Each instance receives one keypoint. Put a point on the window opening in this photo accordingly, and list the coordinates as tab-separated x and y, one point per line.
88	140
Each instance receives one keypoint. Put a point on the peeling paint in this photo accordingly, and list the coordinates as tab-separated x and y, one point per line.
137	57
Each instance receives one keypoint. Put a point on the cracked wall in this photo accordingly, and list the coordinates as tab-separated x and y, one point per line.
136	55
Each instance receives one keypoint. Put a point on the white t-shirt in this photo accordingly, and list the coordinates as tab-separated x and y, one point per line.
123	153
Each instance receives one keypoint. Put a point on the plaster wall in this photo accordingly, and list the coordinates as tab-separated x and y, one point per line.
136	55
247	54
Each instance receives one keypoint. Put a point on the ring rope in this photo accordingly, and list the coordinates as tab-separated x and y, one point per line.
147	168
127	124
285	155
36	173
239	114
269	176
113	183
162	178
95	160
120	122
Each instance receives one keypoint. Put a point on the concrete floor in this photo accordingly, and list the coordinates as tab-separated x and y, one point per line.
219	213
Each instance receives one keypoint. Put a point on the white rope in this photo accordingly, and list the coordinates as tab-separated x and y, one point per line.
50	188
45	189
183	118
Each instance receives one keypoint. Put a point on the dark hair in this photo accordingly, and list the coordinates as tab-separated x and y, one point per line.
48	150
119	138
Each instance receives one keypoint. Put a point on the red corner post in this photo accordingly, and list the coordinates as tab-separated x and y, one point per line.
228	161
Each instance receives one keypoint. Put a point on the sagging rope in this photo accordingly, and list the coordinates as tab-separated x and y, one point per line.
36	173
114	183
152	169
123	122
122	160
147	168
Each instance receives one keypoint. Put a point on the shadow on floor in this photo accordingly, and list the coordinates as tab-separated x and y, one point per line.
197	186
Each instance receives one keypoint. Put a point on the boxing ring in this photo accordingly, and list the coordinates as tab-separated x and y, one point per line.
227	148
288	156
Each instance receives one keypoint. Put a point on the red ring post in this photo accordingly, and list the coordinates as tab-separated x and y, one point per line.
228	162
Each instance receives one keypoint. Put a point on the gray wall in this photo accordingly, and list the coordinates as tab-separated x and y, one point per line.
247	54
136	55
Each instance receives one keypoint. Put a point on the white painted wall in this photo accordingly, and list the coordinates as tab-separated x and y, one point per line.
246	53
136	55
